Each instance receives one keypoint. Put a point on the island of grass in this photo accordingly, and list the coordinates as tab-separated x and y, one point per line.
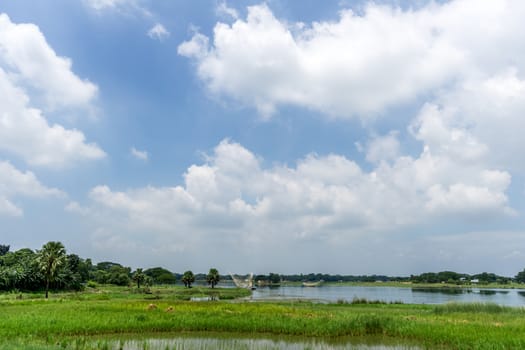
74	320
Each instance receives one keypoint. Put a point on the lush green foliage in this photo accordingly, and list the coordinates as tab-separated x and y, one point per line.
4	249
111	273
25	270
520	277
139	277
51	259
188	278
161	275
213	277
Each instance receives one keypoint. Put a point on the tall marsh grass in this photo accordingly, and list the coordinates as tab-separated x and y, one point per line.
489	308
63	322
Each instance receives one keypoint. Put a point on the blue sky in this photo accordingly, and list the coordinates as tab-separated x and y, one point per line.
338	136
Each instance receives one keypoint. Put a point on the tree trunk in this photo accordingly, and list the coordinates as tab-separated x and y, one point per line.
47	288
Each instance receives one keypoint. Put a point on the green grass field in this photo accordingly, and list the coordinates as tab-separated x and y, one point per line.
75	320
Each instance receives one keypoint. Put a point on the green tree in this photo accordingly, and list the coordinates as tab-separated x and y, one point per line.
110	272
4	249
213	277
21	270
188	278
274	278
51	258
161	275
148	281
520	277
139	277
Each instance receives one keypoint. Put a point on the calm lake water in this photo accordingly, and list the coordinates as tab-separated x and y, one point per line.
330	293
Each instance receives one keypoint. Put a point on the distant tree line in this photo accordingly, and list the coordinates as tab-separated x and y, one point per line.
427	277
52	268
462	278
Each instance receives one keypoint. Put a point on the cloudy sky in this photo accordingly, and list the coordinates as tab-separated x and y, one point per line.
287	136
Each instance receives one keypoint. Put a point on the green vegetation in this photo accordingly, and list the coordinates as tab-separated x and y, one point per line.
52	269
138	277
489	308
213	277
4	249
188	278
76	320
50	260
160	275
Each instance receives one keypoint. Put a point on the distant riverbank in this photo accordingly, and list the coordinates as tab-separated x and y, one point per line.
413	285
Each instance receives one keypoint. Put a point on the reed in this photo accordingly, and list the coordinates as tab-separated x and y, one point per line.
490	308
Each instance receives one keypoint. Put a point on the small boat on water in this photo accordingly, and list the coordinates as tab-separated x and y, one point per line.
312	284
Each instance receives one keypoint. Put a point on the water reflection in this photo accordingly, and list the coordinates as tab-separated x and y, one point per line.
451	291
203	343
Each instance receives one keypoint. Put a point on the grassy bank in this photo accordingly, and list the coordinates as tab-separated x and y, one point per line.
68	320
109	292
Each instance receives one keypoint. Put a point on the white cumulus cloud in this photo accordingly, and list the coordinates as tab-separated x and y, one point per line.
233	203
25	132
224	10
341	68
133	7
362	63
25	53
104	4
141	155
158	32
15	183
29	68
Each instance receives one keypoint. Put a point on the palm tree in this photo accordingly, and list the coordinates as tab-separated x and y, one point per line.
213	277
139	277
51	258
188	278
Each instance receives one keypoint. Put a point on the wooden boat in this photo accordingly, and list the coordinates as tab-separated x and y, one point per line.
312	284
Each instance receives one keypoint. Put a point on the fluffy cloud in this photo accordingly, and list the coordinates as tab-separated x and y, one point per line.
224	10
14	183
27	63
25	53
383	148
25	132
118	5
328	199
141	155
104	4
121	6
485	114
265	62
158	32
360	64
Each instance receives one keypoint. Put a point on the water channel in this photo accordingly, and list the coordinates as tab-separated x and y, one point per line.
226	343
